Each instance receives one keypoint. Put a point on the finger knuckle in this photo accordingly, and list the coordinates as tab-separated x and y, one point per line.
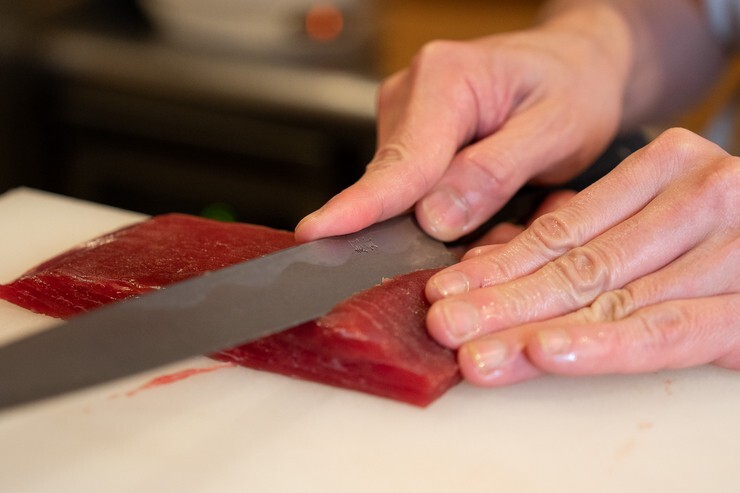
683	142
719	188
611	306
660	330
584	273
677	136
552	234
388	154
677	148
435	53
411	174
672	143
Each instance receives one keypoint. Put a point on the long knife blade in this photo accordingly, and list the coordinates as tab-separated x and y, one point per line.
214	311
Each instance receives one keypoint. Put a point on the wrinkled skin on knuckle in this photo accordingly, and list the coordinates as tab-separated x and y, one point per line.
663	336
610	306
552	234
583	274
387	155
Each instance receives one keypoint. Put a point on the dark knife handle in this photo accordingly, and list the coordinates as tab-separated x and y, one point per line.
526	201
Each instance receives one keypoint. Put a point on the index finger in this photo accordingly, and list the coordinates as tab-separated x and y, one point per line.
417	142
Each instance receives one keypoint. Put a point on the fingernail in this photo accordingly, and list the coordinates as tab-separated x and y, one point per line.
460	318
489	355
311	217
450	283
556	344
446	211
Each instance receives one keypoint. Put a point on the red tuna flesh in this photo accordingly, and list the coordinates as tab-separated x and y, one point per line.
146	256
374	342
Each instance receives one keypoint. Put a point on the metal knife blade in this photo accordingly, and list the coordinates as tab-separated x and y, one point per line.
214	311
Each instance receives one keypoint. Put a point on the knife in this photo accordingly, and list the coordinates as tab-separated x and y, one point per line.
214	311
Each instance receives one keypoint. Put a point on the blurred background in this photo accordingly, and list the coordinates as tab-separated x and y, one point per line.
255	110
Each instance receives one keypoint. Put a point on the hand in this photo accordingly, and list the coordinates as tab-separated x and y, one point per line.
639	272
469	123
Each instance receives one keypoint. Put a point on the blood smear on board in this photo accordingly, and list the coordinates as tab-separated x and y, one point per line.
176	377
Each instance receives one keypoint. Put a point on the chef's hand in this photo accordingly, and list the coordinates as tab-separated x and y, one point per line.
462	129
639	272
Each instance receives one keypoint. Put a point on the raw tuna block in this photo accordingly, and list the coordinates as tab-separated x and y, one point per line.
375	341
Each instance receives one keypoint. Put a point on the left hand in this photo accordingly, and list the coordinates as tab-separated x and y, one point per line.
639	272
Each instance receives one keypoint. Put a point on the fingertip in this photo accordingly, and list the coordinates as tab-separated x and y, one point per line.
437	327
319	225
551	349
451	322
558	350
306	229
448	282
494	362
340	215
483	362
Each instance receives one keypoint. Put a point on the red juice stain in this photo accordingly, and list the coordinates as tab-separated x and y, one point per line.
176	377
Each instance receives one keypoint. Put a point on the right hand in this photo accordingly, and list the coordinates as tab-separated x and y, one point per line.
468	123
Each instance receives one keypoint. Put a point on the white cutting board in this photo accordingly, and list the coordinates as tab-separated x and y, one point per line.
234	429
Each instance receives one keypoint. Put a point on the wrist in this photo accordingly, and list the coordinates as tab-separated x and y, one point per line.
672	58
601	32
